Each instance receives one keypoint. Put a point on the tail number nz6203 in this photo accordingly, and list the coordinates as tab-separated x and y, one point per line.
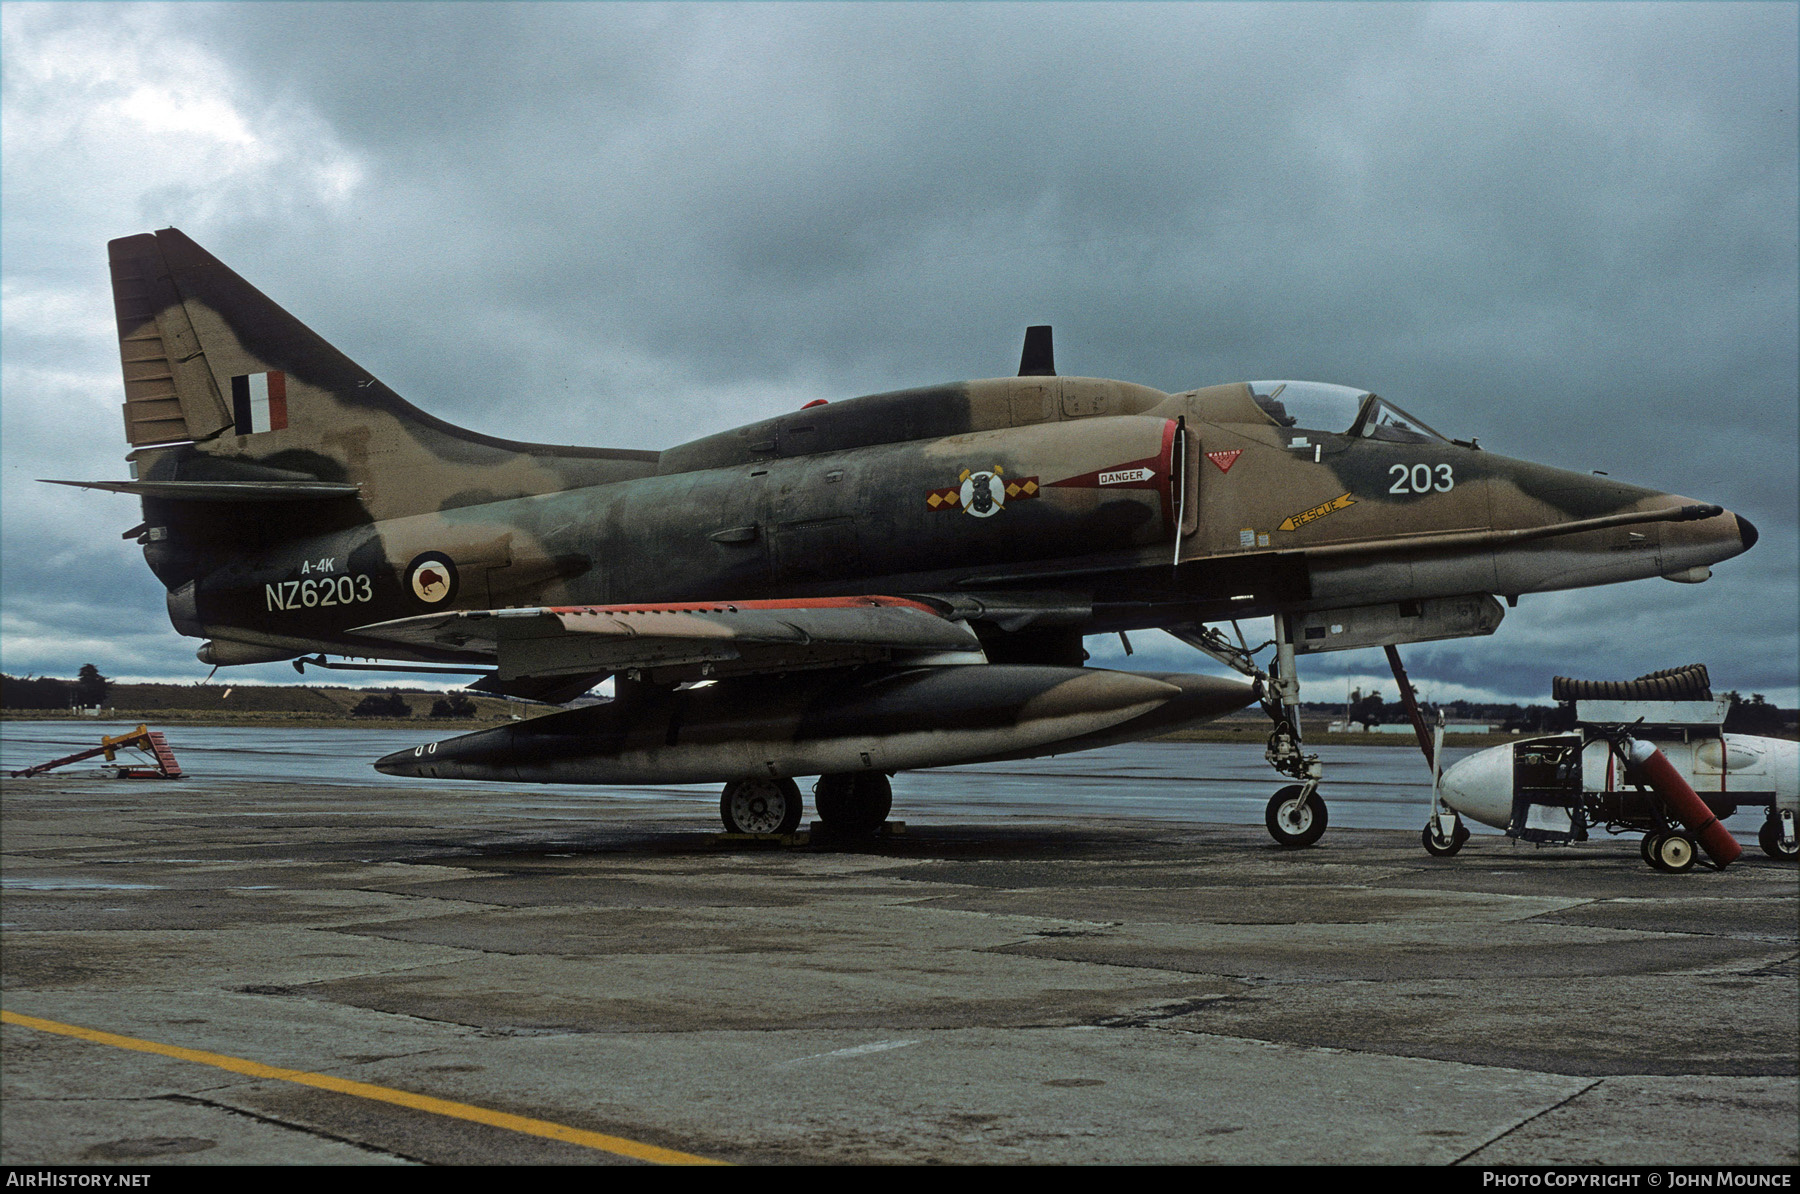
325	590
1421	478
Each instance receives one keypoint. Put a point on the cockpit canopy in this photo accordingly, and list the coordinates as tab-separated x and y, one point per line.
1339	410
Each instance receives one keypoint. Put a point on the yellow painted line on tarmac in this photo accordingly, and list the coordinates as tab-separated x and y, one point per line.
617	1145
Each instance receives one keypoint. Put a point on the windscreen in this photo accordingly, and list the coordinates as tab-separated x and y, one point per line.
1309	405
1385	421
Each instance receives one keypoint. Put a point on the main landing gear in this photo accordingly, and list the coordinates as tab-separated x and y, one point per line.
856	804
852	805
1444	832
760	806
1296	813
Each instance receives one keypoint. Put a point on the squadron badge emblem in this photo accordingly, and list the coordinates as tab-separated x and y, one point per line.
982	494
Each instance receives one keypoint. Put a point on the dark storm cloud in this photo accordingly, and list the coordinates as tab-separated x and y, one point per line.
833	187
1567	229
1536	203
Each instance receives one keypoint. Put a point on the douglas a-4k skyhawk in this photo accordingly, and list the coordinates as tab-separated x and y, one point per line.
846	590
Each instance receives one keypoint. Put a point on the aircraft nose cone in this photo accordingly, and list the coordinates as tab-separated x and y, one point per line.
1702	535
1746	531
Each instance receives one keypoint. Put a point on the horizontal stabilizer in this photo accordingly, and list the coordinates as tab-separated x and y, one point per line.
222	491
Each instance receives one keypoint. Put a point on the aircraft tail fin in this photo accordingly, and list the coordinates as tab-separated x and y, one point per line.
222	384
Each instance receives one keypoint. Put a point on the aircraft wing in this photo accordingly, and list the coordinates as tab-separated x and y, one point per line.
680	641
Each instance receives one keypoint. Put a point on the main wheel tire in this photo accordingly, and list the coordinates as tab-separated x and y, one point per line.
1294	823
760	806
1441	849
1644	845
853	803
1673	852
1769	836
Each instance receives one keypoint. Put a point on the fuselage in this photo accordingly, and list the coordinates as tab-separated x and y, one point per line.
1142	508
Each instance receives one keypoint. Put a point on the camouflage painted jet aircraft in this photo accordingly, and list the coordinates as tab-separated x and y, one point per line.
847	590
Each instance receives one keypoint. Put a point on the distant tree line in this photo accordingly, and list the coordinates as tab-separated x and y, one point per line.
374	705
454	705
394	705
1371	710
88	689
1755	716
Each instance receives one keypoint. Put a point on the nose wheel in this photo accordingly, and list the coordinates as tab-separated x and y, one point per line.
1295	816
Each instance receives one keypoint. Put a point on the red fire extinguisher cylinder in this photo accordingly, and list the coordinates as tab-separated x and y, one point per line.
1683	803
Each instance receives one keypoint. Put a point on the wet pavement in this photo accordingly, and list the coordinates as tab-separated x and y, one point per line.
1007	981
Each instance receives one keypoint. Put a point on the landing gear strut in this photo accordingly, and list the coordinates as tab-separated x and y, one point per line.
1296	814
1444	832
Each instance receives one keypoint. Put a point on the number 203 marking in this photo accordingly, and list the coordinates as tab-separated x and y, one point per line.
1419	478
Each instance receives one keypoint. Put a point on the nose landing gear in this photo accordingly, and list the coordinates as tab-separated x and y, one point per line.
1296	813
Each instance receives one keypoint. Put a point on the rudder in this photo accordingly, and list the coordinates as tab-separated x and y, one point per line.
169	393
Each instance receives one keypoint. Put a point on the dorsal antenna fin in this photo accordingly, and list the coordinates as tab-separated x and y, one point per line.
1039	357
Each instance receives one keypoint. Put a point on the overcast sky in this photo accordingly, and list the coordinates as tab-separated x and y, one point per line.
1569	230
